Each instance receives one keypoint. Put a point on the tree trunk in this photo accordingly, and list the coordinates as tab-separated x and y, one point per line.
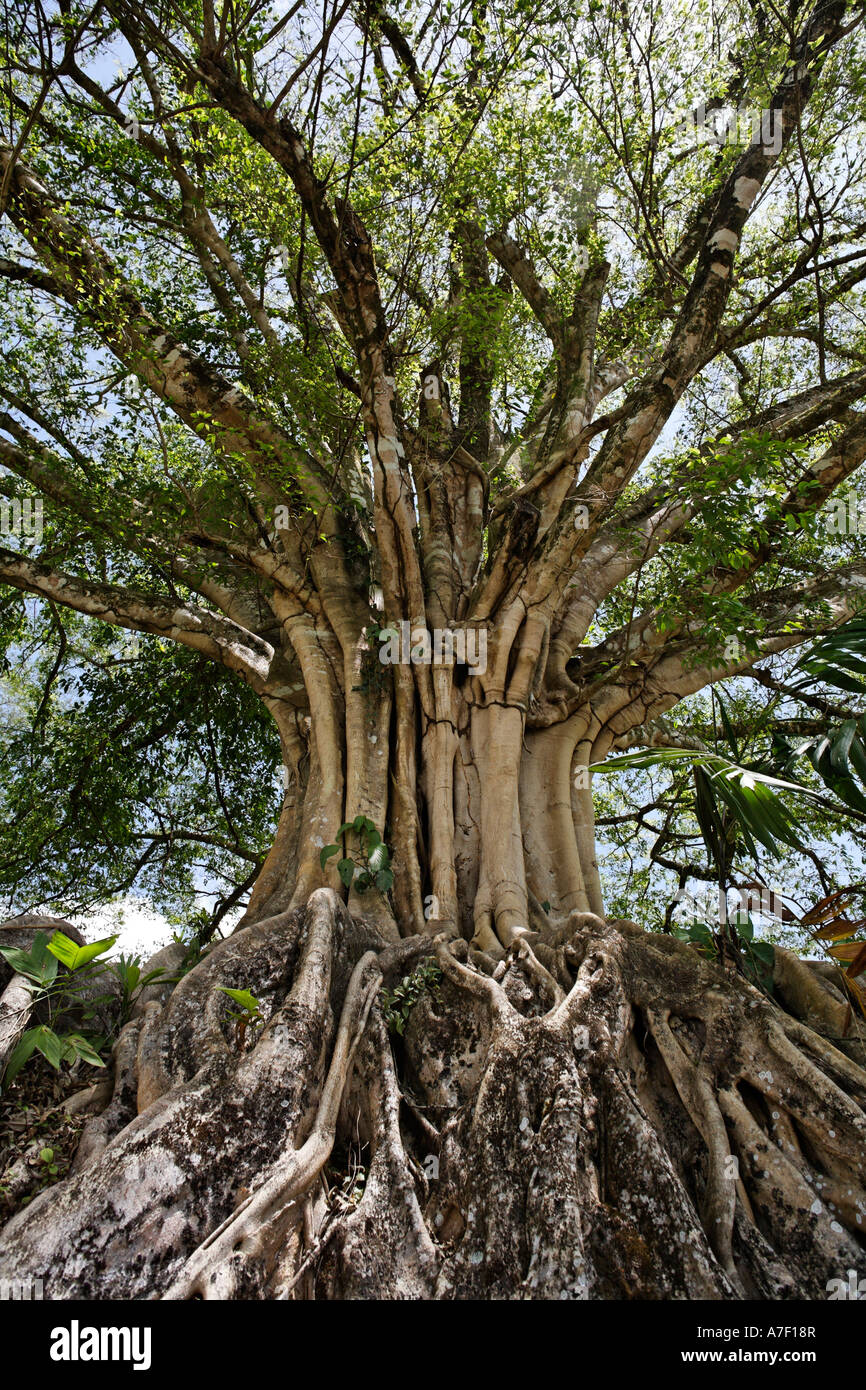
575	1109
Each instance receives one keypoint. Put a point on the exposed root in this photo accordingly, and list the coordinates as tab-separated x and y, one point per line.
789	1210
481	986
256	1230
16	1003
601	1114
91	1100
695	1089
550	989
845	1071
384	1244
196	1008
121	1108
808	995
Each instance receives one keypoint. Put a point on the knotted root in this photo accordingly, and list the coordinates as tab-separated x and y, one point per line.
604	1114
136	1213
255	1232
384	1243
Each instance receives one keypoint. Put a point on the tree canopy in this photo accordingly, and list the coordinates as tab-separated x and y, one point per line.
611	259
431	439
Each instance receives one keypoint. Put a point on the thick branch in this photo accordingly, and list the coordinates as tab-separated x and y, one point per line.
217	637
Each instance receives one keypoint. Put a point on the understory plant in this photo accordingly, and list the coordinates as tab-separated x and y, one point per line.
74	994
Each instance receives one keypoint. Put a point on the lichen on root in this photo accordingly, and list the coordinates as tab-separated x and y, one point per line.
598	1114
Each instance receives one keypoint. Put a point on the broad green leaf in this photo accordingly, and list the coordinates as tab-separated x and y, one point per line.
35	964
73	956
83	1049
346	870
21	1053
243	997
378	858
51	1047
745	926
764	950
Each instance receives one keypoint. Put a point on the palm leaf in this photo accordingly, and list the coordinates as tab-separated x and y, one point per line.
839	758
838	659
750	795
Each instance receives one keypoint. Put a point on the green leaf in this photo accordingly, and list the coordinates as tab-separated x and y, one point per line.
21	961
346	870
39	949
21	1053
709	819
841	746
837	659
35	964
131	978
745	926
729	732
74	956
247	1001
83	1049
700	933
51	1047
835	757
379	858
764	951
373	840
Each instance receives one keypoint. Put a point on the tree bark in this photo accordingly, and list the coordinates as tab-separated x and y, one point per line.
577	1110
